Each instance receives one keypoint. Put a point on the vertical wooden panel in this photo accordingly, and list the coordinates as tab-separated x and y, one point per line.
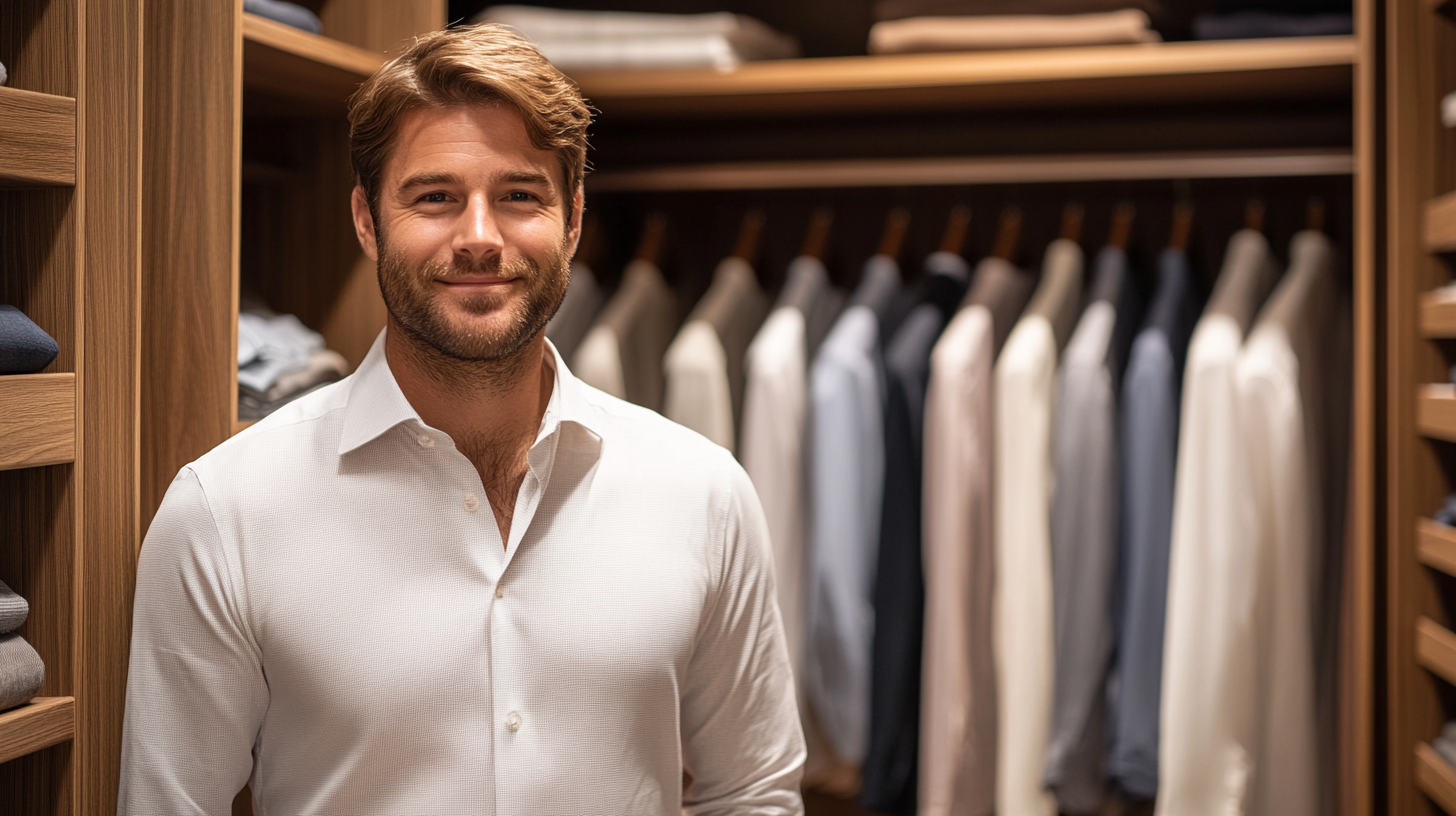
380	25
192	82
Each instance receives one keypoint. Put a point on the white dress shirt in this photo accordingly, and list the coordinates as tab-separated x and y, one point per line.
325	610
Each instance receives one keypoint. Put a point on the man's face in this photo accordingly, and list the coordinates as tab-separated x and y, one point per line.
473	245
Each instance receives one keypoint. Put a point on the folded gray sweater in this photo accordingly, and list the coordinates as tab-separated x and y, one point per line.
21	672
13	609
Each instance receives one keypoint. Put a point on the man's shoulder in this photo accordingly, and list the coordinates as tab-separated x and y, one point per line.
283	442
648	439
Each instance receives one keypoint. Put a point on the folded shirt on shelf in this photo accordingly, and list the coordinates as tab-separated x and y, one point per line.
324	366
13	609
25	348
575	40
270	346
1447	514
1445	744
290	14
21	672
1255	25
901	9
922	34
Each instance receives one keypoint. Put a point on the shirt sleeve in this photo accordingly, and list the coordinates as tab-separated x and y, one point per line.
742	745
195	691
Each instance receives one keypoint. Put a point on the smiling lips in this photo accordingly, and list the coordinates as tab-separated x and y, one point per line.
474	283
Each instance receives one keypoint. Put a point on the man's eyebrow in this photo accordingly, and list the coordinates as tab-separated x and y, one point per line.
428	178
526	177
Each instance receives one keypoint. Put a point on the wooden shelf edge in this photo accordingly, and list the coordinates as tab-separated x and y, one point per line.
311	47
1436	649
43	722
1440	223
311	75
1436	545
37	420
975	170
1435	777
1438	315
39	134
1436	411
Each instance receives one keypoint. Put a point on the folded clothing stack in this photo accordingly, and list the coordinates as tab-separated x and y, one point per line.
1259	19
280	360
21	671
25	348
583	40
909	26
1445	744
290	14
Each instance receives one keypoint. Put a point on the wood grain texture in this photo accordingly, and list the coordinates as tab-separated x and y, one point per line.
37	139
1436	412
1436	777
39	41
1418	55
42	723
1183	71
973	170
192	87
1441	223
108	468
381	26
37	420
1436	649
1436	545
293	64
1438	315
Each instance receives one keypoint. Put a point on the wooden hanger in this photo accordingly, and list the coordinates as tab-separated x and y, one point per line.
1008	234
1254	215
1072	222
1315	215
817	238
1182	225
649	246
749	231
896	224
1122	218
956	226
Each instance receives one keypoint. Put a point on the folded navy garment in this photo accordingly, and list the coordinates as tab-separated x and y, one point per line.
21	672
1447	514
25	348
287	13
1255	25
13	609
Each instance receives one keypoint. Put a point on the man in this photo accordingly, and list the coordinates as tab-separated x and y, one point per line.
462	581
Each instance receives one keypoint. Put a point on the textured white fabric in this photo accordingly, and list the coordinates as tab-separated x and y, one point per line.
958	706
1024	641
775	416
599	361
326	610
696	393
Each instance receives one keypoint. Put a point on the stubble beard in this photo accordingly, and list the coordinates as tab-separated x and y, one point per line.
451	353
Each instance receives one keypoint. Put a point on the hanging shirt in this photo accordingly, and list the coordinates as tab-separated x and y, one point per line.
1084	525
577	313
847	452
1024	635
1149	442
326	611
703	368
890	767
1205	725
958	701
1292	390
775	425
622	354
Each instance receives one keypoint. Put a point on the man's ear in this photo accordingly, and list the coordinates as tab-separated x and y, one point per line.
364	223
573	232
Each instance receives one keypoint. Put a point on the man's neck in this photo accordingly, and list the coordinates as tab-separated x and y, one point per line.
492	410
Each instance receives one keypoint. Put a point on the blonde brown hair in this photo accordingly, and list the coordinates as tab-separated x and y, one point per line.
470	65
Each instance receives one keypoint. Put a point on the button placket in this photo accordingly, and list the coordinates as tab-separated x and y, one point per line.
472	503
513	722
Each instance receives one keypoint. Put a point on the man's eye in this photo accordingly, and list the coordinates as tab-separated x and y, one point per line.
433	198
519	195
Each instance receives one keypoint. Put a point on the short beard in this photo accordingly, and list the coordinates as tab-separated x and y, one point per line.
492	359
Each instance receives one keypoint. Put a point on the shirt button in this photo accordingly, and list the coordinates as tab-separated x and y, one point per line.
500	593
513	722
471	503
425	440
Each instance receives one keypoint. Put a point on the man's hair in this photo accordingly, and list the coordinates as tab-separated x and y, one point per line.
471	65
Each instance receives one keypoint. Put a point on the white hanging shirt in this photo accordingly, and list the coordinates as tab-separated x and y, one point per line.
326	611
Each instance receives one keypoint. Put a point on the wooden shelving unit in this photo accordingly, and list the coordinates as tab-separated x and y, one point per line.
1436	545
37	420
1211	71
1436	412
1436	777
1441	223
43	722
37	139
1436	649
1438	315
297	65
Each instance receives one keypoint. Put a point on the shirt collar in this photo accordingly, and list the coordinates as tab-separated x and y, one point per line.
376	404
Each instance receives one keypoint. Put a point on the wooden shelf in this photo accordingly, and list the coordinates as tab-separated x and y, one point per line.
37	420
287	63
1441	223
1436	777
1436	411
1438	314
1436	649
43	722
1120	74
974	170
37	139
1436	545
